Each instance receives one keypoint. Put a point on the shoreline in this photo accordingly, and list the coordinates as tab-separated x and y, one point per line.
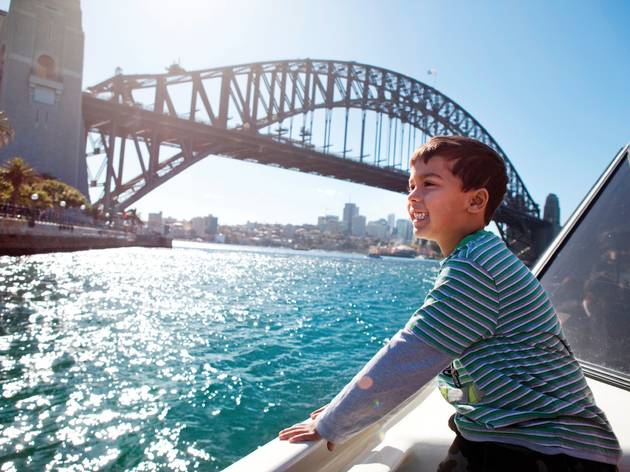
192	244
20	237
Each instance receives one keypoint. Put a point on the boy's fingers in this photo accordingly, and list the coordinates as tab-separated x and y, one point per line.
302	433
286	430
288	434
293	430
306	436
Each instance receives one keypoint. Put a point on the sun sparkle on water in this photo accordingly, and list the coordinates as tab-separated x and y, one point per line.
139	359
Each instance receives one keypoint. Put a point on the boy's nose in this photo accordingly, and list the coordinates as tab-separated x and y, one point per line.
414	195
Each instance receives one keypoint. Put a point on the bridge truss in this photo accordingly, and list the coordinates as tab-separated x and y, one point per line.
149	128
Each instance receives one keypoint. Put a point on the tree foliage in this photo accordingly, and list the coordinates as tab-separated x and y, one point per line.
18	181
17	173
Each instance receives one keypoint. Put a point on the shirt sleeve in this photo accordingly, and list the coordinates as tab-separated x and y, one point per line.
461	309
395	373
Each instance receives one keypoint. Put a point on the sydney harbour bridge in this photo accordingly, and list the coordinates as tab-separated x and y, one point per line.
345	120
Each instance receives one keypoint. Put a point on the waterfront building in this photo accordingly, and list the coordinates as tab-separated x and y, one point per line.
404	231
179	231
41	70
328	224
198	226
211	224
358	226
155	223
350	210
391	222
378	230
289	231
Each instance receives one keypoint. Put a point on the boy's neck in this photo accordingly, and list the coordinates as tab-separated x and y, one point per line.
448	246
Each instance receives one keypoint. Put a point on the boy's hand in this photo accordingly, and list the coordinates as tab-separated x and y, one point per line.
317	412
302	432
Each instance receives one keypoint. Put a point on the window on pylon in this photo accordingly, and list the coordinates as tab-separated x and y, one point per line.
46	67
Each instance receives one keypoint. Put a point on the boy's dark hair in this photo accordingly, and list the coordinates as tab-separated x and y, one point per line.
477	165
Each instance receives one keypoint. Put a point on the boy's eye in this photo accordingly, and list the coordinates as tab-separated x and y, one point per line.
428	184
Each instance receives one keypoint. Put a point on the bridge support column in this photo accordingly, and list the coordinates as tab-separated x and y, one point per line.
109	175
224	99
543	235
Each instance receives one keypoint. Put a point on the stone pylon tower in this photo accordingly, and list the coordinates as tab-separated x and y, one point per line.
41	69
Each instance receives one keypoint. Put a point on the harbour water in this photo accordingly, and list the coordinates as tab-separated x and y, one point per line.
184	359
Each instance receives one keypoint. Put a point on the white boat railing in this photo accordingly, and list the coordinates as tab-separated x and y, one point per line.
282	456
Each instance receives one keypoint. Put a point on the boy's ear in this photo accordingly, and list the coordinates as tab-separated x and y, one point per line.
478	200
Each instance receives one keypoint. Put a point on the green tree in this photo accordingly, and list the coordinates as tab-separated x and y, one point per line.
5	191
59	191
43	199
18	181
17	173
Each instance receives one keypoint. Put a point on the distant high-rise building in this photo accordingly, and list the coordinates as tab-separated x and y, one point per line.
211	224
197	226
404	231
391	222
328	224
155	223
178	230
289	231
358	225
41	70
350	210
378	230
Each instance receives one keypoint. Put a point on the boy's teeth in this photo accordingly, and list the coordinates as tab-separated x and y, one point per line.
420	216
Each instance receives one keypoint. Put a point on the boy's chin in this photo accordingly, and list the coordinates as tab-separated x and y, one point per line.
420	233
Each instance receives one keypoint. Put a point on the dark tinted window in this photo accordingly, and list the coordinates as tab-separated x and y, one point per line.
589	280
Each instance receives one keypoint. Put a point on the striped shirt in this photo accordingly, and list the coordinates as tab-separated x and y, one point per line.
514	378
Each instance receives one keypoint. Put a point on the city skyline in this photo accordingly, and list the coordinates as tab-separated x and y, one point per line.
390	220
350	233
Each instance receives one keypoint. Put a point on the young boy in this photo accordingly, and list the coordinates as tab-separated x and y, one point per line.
487	328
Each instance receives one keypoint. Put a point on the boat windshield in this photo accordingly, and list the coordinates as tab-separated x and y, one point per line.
589	279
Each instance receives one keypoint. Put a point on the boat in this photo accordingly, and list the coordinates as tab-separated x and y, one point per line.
396	251
402	251
586	271
374	252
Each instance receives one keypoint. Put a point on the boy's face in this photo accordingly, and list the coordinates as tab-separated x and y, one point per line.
438	207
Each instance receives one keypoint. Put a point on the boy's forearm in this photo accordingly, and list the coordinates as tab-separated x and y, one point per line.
395	373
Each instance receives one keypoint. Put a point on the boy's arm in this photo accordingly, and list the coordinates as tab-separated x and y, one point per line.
395	373
460	309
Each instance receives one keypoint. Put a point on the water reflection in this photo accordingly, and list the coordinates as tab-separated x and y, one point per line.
140	359
589	281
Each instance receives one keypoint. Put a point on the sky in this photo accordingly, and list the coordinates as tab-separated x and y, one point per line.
547	79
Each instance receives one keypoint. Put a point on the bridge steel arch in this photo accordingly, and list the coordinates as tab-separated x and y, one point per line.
222	111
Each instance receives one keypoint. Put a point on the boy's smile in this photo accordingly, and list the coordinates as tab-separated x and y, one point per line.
438	207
